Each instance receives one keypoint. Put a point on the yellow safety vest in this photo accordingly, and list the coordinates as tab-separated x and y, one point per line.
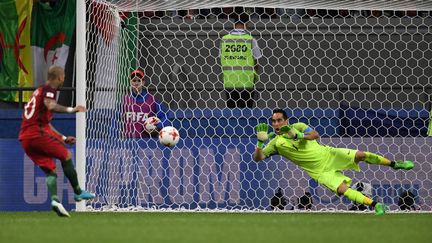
237	61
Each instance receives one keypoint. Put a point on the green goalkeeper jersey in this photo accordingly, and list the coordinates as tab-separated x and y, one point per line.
308	154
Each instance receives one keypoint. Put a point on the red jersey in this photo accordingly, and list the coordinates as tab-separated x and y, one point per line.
36	116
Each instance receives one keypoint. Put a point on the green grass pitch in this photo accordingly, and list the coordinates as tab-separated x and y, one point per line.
16	227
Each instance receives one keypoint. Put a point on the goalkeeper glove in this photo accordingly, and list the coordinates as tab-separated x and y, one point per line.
291	133
262	134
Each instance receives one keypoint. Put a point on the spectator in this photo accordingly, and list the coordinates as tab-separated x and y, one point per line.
138	106
239	55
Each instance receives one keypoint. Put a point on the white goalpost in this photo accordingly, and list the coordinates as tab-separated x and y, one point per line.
80	155
358	72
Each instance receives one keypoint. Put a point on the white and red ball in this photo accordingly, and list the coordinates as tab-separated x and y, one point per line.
169	136
150	123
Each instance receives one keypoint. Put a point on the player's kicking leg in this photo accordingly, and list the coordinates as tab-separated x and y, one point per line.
71	174
84	195
372	158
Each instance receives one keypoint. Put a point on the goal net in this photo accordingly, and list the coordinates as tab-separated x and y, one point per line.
358	72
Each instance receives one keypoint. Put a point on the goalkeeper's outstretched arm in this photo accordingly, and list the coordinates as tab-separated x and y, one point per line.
258	154
262	137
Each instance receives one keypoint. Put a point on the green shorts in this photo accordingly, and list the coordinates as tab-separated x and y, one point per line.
339	159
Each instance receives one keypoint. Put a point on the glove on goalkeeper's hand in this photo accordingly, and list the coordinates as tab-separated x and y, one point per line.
262	134
290	132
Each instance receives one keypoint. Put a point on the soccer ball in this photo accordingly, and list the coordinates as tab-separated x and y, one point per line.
169	136
150	123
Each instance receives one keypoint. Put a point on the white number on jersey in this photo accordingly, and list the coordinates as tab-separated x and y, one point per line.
29	109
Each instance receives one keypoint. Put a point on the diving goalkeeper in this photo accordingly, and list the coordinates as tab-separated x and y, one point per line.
297	142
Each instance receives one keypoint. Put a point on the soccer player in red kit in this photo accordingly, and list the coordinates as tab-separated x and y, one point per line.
42	142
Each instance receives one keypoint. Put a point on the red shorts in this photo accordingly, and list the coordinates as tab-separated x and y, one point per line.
43	150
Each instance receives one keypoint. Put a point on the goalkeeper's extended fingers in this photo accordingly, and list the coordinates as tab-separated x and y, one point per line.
285	129
262	132
262	127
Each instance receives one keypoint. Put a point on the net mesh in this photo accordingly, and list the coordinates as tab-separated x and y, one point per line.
146	5
359	77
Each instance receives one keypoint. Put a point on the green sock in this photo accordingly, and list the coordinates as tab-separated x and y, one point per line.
355	196
372	158
51	181
70	173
